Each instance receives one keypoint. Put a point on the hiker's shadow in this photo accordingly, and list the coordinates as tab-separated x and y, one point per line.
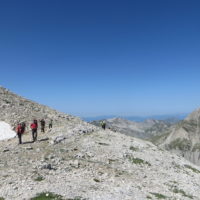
43	139
29	142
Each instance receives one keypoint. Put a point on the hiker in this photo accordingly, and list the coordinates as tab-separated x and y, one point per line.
34	127
103	124
23	124
50	124
19	132
42	123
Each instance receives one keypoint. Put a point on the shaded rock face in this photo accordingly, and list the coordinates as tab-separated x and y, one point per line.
184	139
144	130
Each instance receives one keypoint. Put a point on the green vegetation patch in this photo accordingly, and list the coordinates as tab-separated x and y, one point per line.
196	147
133	148
176	190
192	168
39	178
157	139
1	198
181	144
158	196
189	126
47	196
139	161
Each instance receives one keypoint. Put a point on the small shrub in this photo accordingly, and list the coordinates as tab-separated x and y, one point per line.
139	161
133	148
39	178
96	180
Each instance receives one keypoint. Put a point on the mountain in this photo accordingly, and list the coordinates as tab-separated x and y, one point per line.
173	118
15	109
145	130
184	139
76	160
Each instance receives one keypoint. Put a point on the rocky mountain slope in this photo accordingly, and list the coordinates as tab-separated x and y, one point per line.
14	109
144	130
104	165
75	160
184	139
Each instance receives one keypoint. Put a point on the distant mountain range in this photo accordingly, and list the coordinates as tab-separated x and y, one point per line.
145	130
174	118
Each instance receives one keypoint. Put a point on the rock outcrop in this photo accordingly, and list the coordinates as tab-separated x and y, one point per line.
184	139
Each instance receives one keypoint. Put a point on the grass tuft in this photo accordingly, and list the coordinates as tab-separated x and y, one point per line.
138	161
158	196
176	190
192	168
47	196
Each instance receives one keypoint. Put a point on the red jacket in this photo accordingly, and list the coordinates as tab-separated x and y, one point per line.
19	129
34	126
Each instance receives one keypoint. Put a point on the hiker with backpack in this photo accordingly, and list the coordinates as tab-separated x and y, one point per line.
19	131
34	127
50	124
23	124
42	123
103	124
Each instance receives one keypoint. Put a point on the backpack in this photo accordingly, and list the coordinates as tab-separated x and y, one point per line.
19	129
33	126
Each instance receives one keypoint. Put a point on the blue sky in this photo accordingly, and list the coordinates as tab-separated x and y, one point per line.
90	58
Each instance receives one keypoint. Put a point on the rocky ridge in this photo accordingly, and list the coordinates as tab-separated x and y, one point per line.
15	109
184	139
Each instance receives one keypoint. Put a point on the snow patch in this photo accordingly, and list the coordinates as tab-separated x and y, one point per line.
6	131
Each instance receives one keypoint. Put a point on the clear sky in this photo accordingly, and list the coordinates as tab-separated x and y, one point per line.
100	57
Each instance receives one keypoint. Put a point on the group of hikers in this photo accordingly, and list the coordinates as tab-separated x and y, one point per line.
20	129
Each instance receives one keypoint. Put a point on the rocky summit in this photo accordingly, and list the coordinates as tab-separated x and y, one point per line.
76	160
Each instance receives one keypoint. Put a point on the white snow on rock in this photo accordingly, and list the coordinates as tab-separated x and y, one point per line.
6	131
